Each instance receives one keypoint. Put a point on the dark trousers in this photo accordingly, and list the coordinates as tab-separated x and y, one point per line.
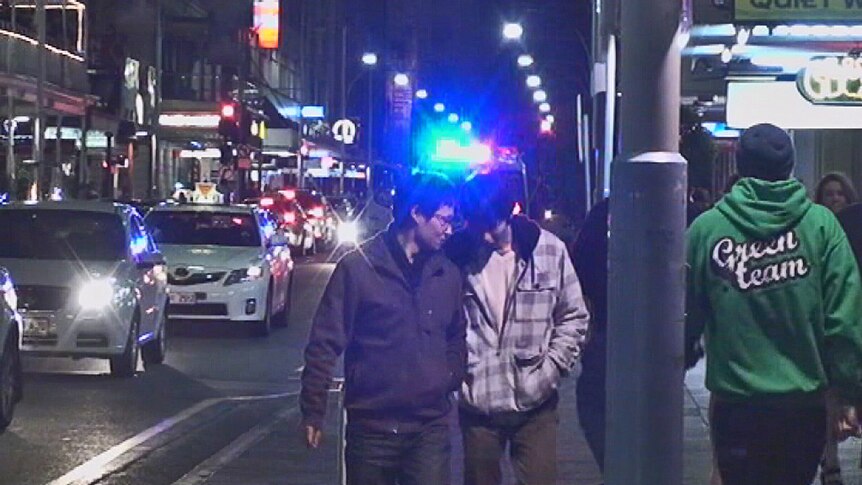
591	393
768	445
531	436
420	458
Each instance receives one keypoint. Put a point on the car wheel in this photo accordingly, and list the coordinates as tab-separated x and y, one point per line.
10	386
264	328
282	319
154	352
126	365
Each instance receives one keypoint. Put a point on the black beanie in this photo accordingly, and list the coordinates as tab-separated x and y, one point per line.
765	152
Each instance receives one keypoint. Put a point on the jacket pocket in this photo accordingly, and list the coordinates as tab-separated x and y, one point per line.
536	378
532	317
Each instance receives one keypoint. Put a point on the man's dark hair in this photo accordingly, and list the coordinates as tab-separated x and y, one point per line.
426	192
486	201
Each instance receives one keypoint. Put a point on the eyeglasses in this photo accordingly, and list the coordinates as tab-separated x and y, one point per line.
447	222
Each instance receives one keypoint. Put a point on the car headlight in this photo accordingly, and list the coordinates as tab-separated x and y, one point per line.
244	275
96	294
348	233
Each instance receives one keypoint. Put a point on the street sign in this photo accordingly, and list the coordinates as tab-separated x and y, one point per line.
344	131
798	10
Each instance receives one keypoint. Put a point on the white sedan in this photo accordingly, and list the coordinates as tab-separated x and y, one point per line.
90	282
225	264
10	348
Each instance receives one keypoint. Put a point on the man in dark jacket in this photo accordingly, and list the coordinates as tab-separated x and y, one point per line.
394	308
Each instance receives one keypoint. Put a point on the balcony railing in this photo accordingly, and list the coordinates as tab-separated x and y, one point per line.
19	55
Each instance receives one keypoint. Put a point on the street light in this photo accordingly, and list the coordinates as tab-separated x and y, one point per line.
439	107
550	119
540	96
545	108
401	80
453	117
467	126
513	31
546	126
369	59
422	94
525	60
534	81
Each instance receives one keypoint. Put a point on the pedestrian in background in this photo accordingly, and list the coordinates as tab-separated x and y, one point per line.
527	323
394	309
773	285
836	192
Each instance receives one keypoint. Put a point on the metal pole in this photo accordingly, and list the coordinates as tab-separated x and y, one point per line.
39	122
343	107
646	286
156	156
370	131
10	133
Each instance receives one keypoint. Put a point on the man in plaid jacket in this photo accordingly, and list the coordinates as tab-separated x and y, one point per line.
526	325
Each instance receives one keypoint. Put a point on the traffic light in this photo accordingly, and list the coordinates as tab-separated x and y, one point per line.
227	126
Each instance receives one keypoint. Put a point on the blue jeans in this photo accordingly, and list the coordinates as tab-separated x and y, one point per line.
420	458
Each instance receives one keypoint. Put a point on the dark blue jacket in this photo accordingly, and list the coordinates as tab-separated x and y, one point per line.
404	342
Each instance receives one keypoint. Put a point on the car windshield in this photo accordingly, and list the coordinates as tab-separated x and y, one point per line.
204	228
62	235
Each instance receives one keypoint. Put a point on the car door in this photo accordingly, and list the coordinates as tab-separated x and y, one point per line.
145	279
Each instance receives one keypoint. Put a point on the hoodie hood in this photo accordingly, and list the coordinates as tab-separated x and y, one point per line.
762	209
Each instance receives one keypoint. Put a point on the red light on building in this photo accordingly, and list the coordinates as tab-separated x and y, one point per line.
290	218
288	194
267	202
266	23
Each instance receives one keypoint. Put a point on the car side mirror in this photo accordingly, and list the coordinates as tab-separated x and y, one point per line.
151	260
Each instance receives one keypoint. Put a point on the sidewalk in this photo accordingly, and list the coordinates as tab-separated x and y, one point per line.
279	458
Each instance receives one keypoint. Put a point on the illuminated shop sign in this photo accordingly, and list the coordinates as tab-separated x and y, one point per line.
266	23
832	80
798	10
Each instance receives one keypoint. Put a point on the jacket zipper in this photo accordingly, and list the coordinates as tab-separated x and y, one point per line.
509	304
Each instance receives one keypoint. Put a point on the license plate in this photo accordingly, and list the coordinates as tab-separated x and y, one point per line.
184	298
39	327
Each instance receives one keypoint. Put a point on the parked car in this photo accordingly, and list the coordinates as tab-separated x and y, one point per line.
11	382
226	263
90	282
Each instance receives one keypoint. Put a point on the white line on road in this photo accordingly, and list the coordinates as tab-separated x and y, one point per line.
206	469
107	462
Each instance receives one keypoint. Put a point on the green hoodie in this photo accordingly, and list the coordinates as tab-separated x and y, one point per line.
774	286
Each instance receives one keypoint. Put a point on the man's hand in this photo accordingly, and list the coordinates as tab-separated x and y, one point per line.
313	436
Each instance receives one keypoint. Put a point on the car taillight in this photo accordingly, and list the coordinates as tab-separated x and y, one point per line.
288	194
317	212
290	218
267	202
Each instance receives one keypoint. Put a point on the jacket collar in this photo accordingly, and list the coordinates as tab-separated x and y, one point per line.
469	252
378	255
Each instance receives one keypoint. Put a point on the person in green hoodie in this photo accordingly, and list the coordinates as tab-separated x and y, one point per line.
774	290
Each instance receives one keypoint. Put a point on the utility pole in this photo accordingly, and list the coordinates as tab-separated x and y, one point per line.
43	178
646	287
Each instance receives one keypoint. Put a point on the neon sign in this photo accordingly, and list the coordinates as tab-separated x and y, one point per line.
266	23
832	80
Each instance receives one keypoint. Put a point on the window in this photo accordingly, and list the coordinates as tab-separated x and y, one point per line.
62	235
191	228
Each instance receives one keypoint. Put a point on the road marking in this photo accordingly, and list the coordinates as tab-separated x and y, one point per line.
206	469
107	462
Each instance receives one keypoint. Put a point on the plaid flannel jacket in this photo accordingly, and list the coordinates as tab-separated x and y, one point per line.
517	367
